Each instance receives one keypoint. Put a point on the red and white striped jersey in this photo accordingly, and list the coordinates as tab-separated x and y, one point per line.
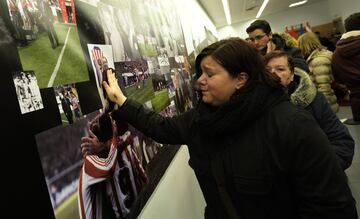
97	170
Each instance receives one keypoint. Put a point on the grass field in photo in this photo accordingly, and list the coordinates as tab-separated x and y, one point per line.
142	94
161	100
40	57
69	209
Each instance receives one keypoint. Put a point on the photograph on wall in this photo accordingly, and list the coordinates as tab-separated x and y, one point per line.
136	78
47	40
27	91
68	103
61	160
101	59
161	99
136	33
182	88
151	32
119	28
138	29
110	182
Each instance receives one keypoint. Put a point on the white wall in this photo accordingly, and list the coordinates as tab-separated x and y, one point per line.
343	8
316	14
178	194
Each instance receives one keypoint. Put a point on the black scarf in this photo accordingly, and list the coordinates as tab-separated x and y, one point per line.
244	107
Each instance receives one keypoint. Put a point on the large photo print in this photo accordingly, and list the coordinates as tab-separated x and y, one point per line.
46	34
144	44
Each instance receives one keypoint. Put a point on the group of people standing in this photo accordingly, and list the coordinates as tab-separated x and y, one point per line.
328	70
70	105
31	17
263	138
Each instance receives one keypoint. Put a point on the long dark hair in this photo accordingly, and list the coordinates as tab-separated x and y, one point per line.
237	56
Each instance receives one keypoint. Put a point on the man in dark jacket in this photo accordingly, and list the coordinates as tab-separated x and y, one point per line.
346	63
261	36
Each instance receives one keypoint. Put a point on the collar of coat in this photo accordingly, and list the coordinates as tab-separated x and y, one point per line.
350	34
305	91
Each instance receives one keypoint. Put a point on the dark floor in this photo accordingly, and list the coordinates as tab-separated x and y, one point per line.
353	172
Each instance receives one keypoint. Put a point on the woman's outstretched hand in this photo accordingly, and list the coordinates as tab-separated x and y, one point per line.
113	90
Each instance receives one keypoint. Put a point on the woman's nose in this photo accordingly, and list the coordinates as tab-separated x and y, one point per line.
201	78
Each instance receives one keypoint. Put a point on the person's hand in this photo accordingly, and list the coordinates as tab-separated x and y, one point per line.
113	90
307	27
270	47
90	144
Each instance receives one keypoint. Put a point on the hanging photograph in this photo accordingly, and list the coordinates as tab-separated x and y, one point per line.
101	59
119	29
47	40
68	103
136	78
122	171
61	159
27	91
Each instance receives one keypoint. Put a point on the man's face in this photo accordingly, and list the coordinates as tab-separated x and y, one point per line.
260	39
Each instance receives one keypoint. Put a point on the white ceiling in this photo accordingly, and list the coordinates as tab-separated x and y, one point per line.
242	10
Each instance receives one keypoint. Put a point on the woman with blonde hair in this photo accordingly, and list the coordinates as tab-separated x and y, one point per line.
289	40
318	59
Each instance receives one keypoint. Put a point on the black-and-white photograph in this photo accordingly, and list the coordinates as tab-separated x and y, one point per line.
27	91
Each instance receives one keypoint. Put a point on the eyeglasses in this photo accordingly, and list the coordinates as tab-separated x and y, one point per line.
257	38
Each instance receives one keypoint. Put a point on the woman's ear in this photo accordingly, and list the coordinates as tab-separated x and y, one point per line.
242	78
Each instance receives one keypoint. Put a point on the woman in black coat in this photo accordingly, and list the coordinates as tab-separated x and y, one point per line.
254	153
304	94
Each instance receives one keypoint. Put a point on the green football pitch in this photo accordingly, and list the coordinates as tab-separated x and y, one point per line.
161	100
41	58
142	94
69	209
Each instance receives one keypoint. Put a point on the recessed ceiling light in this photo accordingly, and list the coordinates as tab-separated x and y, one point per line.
225	4
297	3
265	2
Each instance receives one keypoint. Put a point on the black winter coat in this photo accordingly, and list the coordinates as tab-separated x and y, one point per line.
336	132
304	94
271	171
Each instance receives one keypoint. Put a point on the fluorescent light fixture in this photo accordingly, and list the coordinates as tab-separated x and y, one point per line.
227	11
265	2
297	3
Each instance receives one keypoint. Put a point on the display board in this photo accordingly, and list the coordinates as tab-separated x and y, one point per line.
53	55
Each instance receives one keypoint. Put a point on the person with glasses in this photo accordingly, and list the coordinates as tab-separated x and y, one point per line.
261	36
